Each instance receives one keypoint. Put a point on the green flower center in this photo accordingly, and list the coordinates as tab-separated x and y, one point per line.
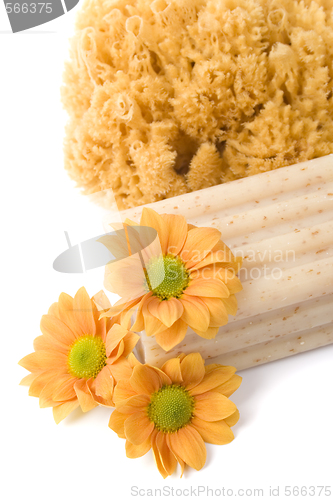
87	357
171	408
167	276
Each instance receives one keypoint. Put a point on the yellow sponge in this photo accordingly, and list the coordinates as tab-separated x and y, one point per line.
170	96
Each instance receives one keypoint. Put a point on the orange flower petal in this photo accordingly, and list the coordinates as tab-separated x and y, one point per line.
67	315
117	423
150	218
133	451
28	379
167	458
230	279
167	311
101	301
117	352
130	342
220	254
210	333
83	310
62	411
217	310
196	313
54	329
211	367
43	343
172	336
172	369
133	404
213	432
113	337
139	323
198	244
231	305
40	382
212	258
48	403
65	390
220	245
102	325
138	428
233	419
130	222
125	278
229	387
119	243
46	394
123	390
193	370
213	379
165	379
207	288
235	265
133	361
54	310
216	270
212	406
219	271
153	325
177	457
177	232
44	360
104	385
125	319
145	380
157	456
120	369
206	273
120	307
84	395
189	446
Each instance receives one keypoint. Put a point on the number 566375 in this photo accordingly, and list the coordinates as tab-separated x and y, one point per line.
31	8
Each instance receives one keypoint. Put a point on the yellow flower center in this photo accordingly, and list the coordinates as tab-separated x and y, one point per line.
167	276
87	357
171	408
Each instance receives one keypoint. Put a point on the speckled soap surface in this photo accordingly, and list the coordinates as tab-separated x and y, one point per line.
281	223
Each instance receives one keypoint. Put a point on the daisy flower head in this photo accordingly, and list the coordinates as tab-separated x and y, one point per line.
79	358
175	410
190	282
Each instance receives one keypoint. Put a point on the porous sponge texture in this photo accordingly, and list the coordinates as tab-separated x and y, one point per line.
170	96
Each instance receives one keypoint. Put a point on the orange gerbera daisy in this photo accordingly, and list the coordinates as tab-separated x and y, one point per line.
78	358
173	410
195	281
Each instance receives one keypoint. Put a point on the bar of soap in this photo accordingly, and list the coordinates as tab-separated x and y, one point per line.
281	223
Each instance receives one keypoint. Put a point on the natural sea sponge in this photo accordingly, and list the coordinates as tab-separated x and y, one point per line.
171	96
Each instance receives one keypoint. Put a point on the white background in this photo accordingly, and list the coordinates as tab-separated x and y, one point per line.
285	434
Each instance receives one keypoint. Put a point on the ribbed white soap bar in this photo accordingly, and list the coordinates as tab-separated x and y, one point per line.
281	222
